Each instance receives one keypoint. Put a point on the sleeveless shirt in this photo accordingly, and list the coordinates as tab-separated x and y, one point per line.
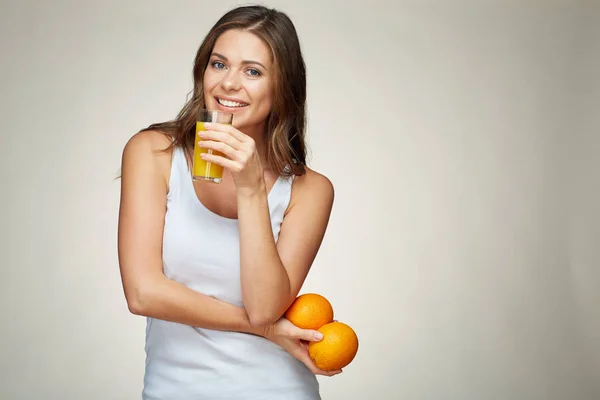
201	251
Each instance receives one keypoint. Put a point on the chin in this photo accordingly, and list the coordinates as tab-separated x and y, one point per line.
243	124
244	118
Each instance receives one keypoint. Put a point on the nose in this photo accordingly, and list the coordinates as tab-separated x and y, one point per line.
231	81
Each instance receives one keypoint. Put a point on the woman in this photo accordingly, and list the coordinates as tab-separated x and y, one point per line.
215	266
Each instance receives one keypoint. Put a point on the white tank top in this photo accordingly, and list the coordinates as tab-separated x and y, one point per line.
201	251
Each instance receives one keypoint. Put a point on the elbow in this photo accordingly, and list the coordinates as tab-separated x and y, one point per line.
135	307
137	301
135	304
142	294
262	319
265	312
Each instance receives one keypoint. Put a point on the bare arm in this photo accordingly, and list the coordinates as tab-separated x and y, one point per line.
144	185
272	274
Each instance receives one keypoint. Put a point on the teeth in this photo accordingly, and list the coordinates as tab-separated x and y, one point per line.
228	103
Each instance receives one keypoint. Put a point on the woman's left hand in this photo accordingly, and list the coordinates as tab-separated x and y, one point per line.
239	150
295	341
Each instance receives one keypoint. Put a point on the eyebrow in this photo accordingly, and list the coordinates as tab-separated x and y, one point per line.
243	61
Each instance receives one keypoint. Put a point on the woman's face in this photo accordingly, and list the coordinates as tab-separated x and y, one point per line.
238	79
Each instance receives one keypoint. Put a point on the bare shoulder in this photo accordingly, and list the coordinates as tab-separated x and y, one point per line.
312	187
146	149
146	142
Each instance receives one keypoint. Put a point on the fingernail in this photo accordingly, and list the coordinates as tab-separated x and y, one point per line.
318	335
207	125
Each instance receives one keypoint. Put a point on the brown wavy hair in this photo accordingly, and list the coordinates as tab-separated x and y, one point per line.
286	124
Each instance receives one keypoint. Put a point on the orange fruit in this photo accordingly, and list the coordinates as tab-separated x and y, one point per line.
310	311
337	348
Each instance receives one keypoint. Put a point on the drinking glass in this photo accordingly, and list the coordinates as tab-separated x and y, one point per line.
201	169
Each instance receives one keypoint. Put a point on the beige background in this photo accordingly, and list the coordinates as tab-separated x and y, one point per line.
462	139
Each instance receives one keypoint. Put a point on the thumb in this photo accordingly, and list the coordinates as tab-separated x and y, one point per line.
308	335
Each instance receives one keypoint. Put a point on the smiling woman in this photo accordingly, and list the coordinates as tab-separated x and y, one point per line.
251	51
239	80
214	267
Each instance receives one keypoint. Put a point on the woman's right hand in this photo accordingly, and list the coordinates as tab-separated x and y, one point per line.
295	341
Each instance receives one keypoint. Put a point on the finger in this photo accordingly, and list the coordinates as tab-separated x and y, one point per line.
316	370
220	137
305	358
222	161
307	334
229	151
302	354
329	373
227	129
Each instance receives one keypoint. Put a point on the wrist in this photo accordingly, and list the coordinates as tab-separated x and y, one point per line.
246	327
266	331
262	331
257	190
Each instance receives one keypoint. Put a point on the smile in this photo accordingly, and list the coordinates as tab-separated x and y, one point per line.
230	103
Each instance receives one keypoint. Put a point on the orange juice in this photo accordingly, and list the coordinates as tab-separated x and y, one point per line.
203	170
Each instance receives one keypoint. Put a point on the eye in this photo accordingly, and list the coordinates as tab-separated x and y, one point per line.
217	64
253	72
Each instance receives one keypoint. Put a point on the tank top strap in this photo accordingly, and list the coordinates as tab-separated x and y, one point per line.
281	189
279	200
179	169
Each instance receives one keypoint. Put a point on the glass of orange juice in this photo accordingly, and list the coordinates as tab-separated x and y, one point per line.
201	169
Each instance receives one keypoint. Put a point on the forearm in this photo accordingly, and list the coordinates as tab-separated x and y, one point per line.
168	300
265	282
